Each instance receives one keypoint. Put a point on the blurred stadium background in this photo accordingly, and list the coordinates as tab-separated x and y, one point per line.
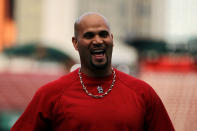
155	41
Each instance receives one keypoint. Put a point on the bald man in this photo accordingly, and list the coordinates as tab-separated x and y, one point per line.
96	96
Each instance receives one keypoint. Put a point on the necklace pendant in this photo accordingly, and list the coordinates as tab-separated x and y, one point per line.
100	89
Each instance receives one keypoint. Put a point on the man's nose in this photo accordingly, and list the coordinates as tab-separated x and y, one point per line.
97	40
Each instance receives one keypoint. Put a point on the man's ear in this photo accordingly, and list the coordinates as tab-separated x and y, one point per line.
74	40
112	36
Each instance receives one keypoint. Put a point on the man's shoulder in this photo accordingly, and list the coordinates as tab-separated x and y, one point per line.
129	79
133	83
138	86
58	85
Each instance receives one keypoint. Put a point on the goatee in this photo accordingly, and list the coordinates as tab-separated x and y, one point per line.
102	66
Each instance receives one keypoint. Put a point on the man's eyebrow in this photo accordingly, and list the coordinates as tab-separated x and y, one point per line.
104	31
88	34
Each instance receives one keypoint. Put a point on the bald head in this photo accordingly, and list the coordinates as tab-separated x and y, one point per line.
86	16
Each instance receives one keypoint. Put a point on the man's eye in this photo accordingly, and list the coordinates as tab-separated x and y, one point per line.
104	34
88	35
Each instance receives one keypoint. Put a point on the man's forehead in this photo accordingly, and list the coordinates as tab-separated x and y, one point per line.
89	19
92	19
91	15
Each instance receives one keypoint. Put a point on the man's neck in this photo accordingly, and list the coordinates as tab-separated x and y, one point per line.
97	72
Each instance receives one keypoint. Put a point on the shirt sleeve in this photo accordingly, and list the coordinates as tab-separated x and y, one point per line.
156	118
37	116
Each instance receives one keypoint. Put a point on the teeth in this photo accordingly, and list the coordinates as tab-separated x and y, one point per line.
98	52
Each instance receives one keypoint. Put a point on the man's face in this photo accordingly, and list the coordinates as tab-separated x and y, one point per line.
94	42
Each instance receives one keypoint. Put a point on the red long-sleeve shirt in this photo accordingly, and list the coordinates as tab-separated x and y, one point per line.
64	105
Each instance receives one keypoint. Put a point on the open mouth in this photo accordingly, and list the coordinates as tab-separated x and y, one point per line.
98	55
98	52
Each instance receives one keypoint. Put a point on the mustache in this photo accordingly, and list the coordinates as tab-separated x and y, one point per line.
97	45
98	48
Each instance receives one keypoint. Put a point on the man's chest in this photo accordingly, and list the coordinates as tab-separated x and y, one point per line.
118	110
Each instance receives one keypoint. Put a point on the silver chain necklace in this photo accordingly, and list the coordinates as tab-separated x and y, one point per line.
97	96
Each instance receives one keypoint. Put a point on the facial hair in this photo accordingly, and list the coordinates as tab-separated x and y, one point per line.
103	66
